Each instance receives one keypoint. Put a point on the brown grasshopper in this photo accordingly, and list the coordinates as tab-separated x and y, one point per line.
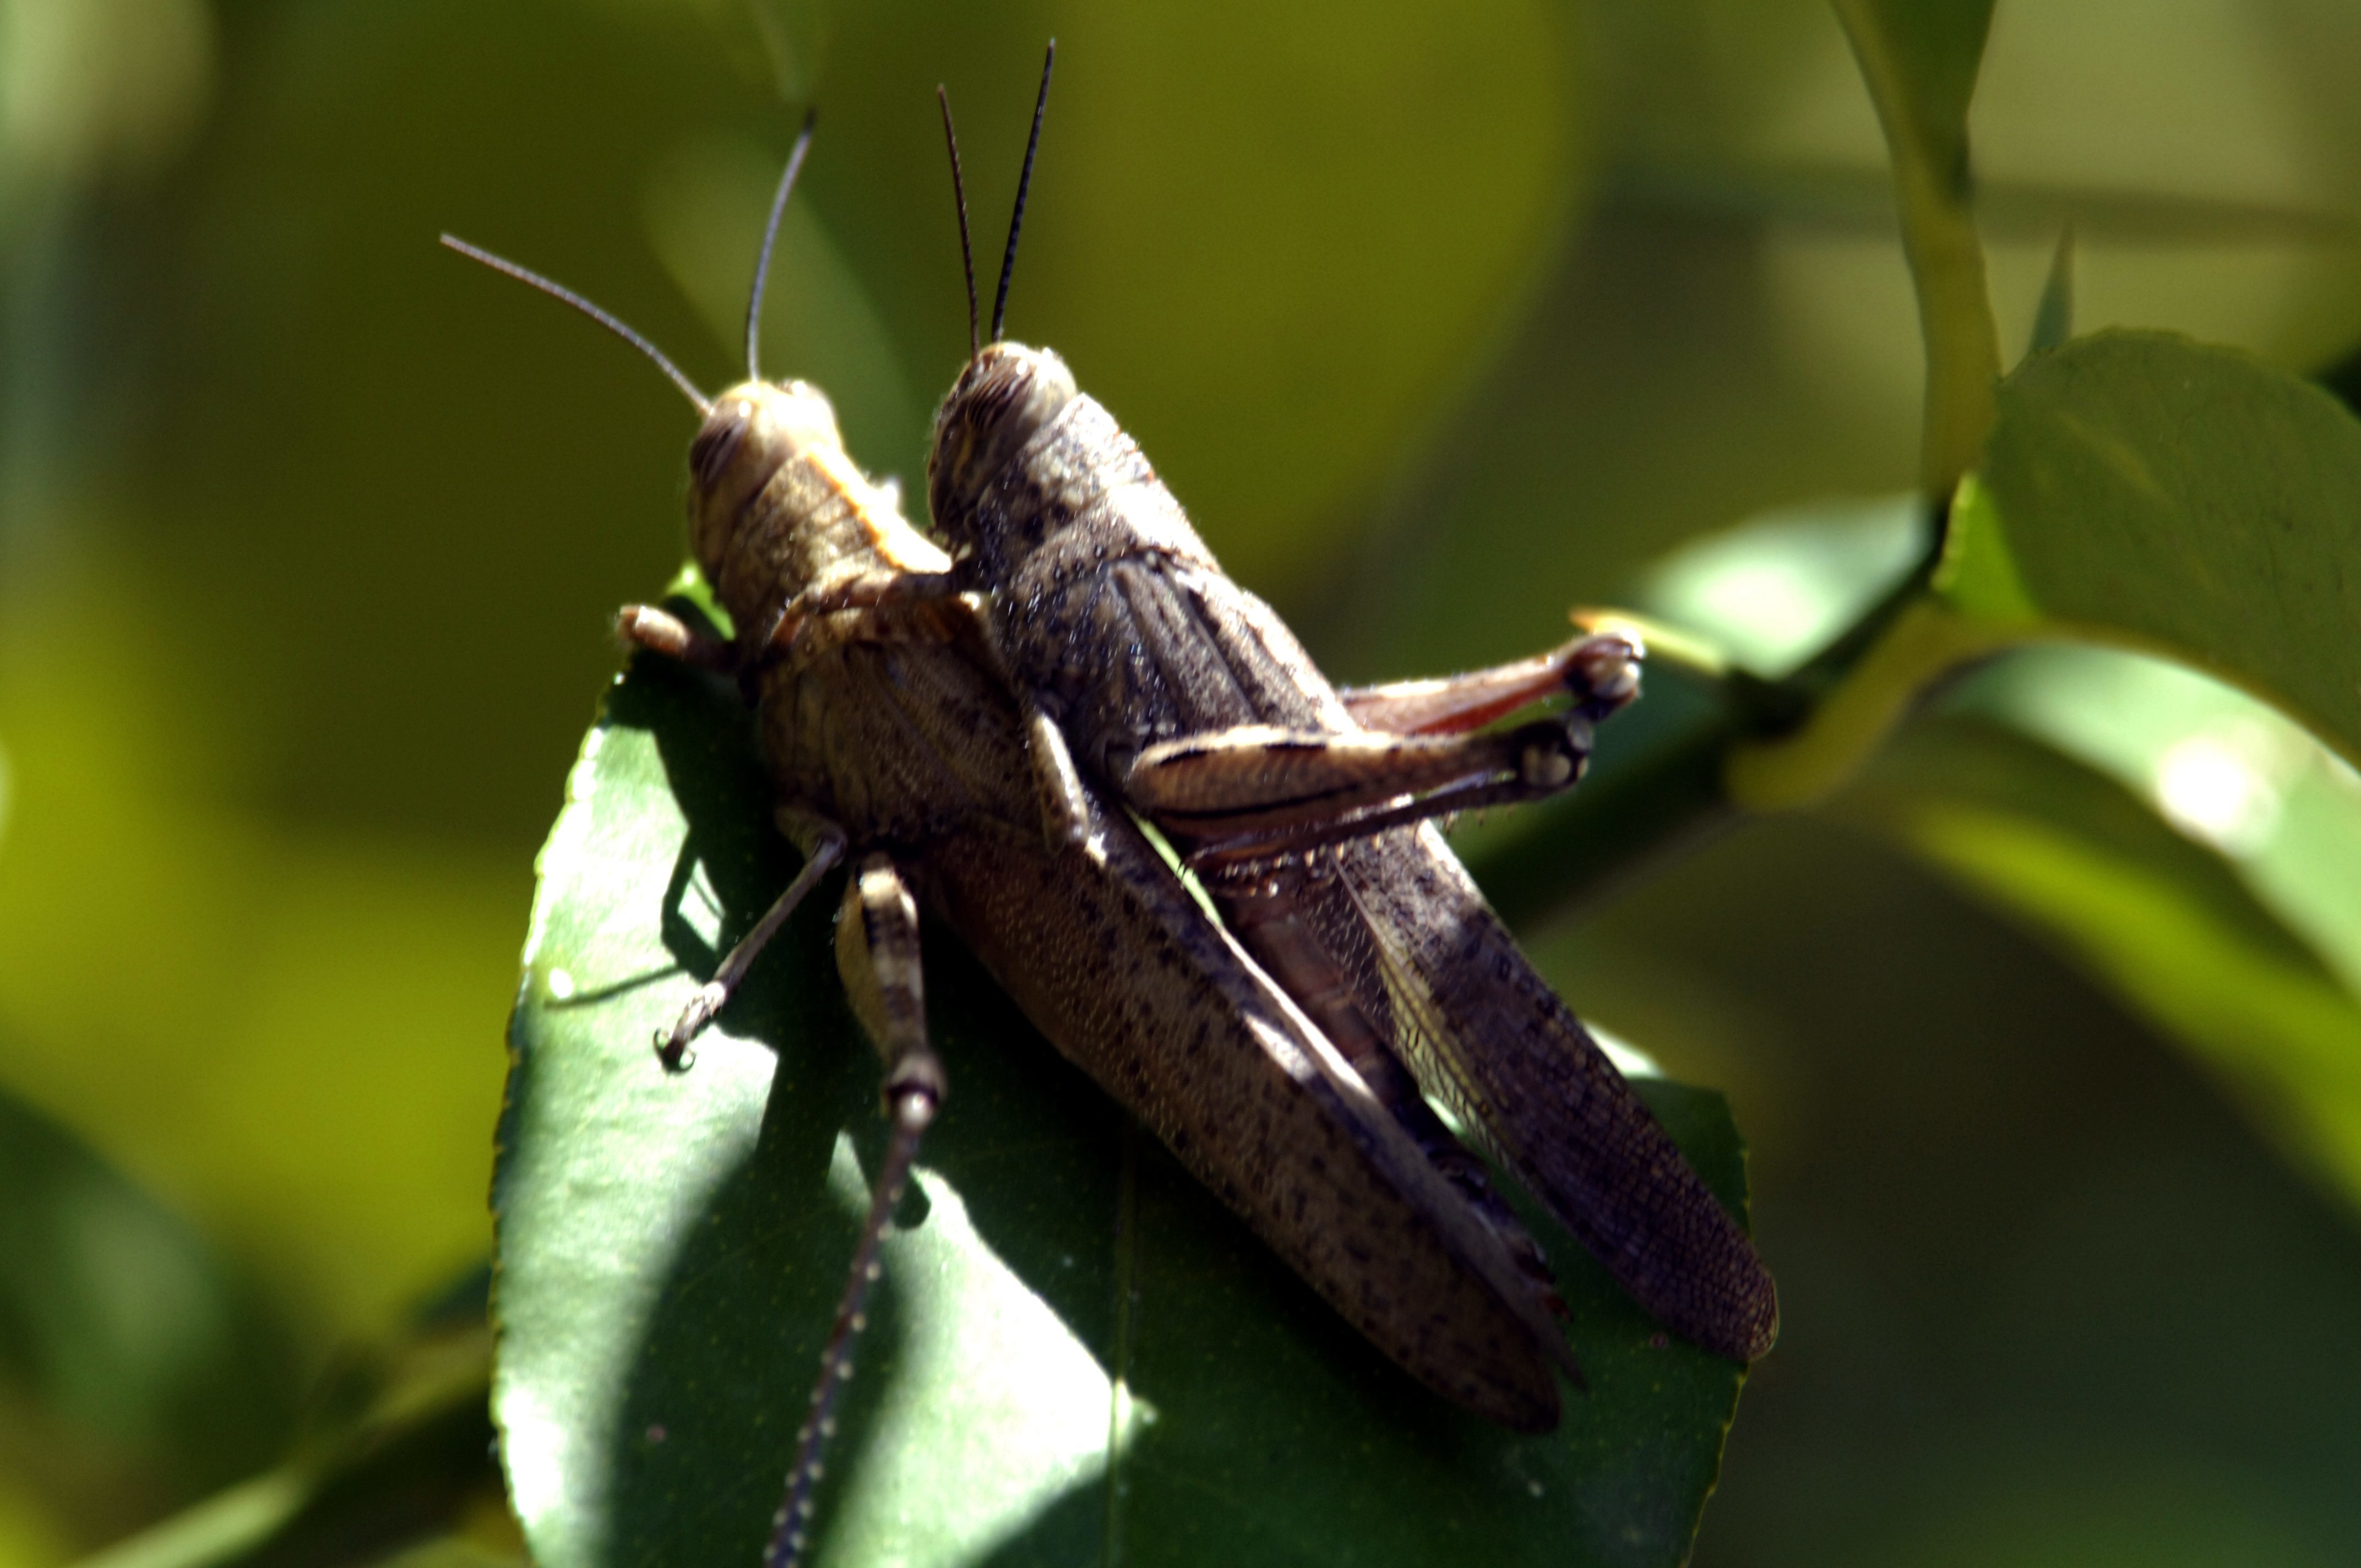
894	743
1145	673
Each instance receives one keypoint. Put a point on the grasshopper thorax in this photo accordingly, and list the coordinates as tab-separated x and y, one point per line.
1005	397
777	510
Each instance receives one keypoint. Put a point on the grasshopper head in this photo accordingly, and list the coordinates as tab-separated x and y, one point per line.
776	506
1006	395
755	429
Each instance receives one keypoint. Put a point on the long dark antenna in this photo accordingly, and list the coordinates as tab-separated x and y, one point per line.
560	292
770	238
959	194
1024	184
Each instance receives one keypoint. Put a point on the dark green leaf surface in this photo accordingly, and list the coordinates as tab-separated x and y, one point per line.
2143	489
2164	921
397	1456
1075	1355
137	1367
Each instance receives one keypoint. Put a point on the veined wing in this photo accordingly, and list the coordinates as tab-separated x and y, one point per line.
1109	954
1498	1044
1488	1036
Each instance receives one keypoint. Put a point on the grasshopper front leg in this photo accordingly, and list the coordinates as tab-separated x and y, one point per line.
660	631
641	626
873	590
672	1047
877	955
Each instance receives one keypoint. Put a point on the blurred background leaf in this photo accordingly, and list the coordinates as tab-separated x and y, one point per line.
138	1367
2143	489
1440	321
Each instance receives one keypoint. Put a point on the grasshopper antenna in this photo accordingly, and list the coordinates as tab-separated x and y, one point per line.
770	238
560	292
959	194
1024	184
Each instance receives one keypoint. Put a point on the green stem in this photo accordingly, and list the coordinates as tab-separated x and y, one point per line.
1926	134
1733	744
1926	641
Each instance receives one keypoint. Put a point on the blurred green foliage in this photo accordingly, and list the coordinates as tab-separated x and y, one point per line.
1440	320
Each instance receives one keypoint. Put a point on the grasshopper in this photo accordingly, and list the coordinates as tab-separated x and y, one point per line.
899	748
1146	673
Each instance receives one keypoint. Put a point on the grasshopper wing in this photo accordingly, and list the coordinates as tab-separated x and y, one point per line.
1487	1036
1106	950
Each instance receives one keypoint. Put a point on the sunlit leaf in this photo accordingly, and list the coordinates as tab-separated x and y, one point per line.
2225	771
1074	1346
2146	489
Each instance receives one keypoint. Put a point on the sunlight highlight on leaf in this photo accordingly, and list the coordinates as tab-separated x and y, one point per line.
1772	590
991	1384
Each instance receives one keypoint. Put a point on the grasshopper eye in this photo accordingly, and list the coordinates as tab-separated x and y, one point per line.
717	441
1008	394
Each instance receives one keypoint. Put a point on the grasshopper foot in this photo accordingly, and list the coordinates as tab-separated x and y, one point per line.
672	1048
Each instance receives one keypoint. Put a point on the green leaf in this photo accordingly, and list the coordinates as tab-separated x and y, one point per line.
136	1364
2146	490
1920	57
1075	1352
2162	920
2229	772
397	1452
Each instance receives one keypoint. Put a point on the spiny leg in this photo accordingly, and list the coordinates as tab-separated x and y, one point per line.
880	593
870	590
1602	671
877	954
1257	791
672	1048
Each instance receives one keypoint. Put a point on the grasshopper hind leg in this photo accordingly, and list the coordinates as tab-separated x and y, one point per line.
1253	791
877	955
1600	671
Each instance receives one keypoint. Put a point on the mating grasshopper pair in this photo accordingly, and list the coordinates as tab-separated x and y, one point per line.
983	730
